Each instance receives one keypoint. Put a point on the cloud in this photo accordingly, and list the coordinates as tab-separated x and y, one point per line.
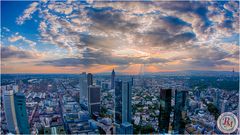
14	52
27	14
17	37
87	62
93	32
60	7
110	20
6	29
211	57
96	57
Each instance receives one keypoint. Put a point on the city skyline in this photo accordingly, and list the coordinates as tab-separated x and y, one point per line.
72	37
67	104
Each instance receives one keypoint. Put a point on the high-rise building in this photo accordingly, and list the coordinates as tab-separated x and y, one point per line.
118	102
15	111
165	110
83	88
132	81
127	102
123	101
113	79
94	99
89	79
180	111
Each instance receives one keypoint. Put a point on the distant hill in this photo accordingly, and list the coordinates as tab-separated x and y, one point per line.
198	73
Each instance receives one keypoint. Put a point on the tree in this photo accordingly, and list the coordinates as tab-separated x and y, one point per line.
213	110
147	129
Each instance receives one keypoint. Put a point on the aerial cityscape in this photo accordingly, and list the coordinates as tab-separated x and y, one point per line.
120	67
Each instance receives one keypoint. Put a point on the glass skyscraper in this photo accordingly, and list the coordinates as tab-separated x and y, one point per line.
123	109
89	79
15	111
118	102
180	111
165	110
83	88
113	79
94	99
123	101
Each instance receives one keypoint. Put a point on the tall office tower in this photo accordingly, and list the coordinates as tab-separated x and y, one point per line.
123	101
94	99
118	102
123	108
113	79
180	111
83	88
165	110
15	111
132	81
89	79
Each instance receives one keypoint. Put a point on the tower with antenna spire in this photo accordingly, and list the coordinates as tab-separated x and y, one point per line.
233	74
112	79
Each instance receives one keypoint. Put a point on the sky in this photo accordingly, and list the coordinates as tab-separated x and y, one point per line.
97	36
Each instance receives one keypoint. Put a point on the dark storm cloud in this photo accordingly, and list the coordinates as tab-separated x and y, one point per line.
110	19
188	7
209	63
13	52
181	38
162	38
227	24
92	57
209	57
174	23
64	62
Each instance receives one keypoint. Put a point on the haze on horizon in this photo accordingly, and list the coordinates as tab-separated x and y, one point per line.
91	36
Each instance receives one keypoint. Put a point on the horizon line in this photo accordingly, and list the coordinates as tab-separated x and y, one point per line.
127	72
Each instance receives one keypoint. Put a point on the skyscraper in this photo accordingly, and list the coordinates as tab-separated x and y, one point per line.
89	79
15	110
113	79
123	101
132	81
83	88
118	102
127	102
165	110
180	111
123	108
94	99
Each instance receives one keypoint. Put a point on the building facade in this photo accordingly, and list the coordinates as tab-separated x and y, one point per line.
113	79
83	88
94	101
165	110
180	111
16	114
123	108
89	79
